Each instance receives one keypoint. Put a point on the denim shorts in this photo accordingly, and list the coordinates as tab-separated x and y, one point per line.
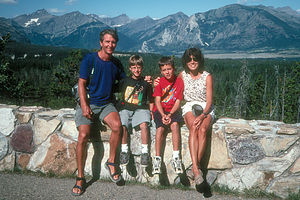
100	112
176	117
135	117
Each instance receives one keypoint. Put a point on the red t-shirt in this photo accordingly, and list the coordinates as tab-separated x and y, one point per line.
175	93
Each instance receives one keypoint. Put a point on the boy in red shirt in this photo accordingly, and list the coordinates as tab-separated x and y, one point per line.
168	94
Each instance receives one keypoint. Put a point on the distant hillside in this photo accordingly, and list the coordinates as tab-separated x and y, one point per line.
230	28
18	50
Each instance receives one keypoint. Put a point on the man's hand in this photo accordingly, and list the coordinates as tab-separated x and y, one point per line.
87	112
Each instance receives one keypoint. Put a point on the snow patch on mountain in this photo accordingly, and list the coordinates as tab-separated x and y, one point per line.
117	25
32	22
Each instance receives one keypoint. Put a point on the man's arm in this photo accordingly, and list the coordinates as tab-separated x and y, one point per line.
86	110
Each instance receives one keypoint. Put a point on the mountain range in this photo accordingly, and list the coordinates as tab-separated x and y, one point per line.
229	28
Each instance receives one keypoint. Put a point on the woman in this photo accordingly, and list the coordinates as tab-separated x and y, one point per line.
198	89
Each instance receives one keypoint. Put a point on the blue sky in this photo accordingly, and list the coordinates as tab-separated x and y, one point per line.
133	8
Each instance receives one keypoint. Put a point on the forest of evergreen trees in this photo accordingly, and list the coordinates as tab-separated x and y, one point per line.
243	88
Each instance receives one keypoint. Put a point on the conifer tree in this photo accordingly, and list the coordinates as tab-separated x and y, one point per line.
64	77
292	95
242	87
255	100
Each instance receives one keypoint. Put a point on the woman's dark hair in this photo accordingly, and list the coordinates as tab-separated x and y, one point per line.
111	32
197	56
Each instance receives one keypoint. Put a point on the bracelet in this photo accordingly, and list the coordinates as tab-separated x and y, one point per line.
205	113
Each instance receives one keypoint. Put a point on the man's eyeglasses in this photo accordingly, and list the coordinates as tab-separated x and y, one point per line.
135	68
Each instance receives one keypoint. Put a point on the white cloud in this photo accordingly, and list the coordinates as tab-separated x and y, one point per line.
70	2
242	1
248	1
8	1
55	11
298	10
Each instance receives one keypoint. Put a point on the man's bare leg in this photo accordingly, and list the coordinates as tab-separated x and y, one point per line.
114	123
81	153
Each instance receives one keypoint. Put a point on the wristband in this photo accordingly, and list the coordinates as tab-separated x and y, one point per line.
205	113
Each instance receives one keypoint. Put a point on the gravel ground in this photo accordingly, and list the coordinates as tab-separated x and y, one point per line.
20	186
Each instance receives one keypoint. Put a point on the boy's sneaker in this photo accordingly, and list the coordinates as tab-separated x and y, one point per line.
124	158
177	165
144	159
156	164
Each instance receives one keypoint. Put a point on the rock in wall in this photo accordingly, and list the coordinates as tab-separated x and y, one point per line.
240	154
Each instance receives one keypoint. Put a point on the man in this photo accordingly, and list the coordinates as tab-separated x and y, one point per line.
99	71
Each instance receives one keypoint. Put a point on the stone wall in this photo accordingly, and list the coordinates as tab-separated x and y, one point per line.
240	154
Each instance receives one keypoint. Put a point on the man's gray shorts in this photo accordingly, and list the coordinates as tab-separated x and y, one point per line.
135	117
100	112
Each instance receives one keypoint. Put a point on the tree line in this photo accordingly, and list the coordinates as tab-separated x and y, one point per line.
266	89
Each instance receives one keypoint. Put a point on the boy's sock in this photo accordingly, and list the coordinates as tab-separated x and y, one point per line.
144	148
124	148
175	154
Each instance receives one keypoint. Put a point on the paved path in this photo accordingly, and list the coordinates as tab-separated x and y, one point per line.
19	186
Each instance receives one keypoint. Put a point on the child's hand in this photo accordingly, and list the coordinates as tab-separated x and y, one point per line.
166	119
152	115
156	81
148	79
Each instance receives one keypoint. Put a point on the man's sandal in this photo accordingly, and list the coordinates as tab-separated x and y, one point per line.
111	176
81	188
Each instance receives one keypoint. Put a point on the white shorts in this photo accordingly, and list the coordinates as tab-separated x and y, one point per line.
187	107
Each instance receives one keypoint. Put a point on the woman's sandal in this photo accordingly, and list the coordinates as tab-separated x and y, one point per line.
199	179
111	176
190	174
81	188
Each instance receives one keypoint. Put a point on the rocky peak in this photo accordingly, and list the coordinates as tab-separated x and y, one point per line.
288	10
41	12
33	19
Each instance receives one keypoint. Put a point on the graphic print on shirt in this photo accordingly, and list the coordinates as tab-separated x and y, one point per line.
170	96
134	95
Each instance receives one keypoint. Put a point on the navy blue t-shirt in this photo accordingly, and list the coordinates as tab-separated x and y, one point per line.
104	77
